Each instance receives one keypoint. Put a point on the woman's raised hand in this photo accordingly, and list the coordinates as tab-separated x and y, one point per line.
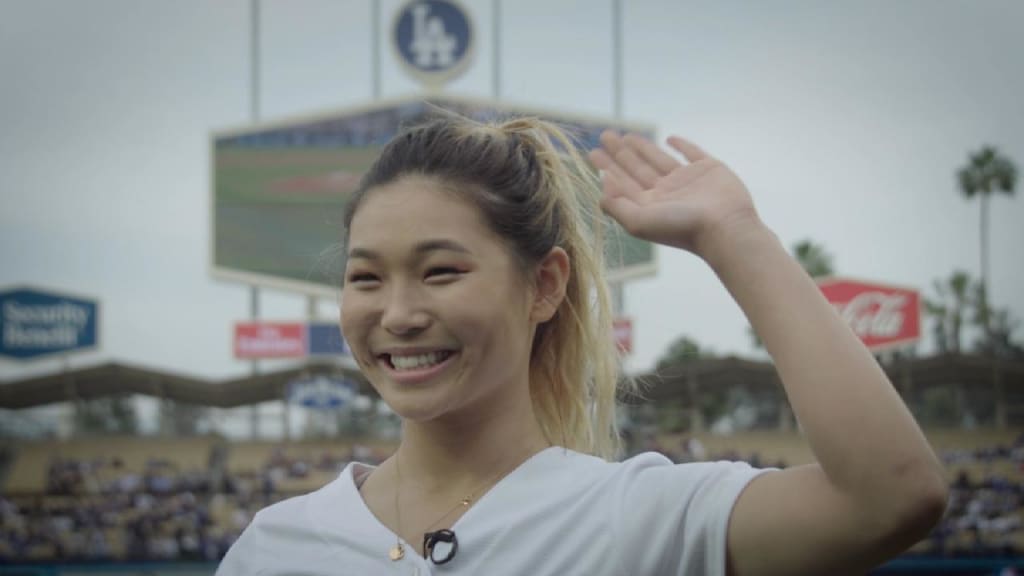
658	198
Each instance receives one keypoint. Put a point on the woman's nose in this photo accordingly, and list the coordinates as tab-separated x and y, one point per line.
403	315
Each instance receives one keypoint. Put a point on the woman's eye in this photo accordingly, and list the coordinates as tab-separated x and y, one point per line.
443	271
361	278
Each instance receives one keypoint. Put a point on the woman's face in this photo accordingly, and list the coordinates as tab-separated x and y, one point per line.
434	307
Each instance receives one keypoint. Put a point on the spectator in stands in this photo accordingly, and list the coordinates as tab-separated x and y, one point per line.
694	449
474	303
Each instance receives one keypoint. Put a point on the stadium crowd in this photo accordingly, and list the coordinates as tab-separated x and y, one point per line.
98	510
984	517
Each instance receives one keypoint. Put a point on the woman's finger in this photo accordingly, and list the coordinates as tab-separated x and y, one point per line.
691	151
632	163
624	183
639	168
611	141
624	210
651	152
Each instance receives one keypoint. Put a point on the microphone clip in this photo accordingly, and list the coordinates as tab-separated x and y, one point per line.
448	542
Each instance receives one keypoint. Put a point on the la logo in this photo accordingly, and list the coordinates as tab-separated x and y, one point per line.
433	40
431	44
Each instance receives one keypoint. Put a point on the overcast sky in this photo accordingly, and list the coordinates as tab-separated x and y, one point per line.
847	120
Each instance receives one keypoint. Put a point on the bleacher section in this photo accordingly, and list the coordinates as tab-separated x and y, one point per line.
128	498
764	447
297	467
111	458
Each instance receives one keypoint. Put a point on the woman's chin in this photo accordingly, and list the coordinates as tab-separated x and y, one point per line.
419	410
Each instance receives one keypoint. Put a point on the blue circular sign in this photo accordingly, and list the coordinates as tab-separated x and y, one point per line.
433	39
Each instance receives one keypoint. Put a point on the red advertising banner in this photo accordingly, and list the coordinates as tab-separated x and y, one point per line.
622	327
883	316
270	340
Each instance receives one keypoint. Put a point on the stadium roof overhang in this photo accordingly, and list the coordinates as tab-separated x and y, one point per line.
676	382
116	379
679	381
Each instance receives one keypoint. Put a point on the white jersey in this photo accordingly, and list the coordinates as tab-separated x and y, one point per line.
559	513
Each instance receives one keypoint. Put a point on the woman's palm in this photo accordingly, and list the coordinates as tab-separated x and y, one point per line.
657	198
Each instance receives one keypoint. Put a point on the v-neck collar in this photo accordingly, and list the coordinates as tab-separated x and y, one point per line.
366	518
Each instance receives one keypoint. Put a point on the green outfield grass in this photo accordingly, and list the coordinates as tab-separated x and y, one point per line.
261	175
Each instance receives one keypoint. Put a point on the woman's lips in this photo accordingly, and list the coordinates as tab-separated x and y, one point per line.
414	375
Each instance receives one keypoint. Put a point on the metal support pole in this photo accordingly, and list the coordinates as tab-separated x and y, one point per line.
496	48
1002	421
254	60
375	49
254	410
617	60
697	424
618	287
254	112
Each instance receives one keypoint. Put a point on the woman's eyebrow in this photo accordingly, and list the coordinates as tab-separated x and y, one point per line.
441	244
421	248
363	253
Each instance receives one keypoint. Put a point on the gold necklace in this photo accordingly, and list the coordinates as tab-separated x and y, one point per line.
397	552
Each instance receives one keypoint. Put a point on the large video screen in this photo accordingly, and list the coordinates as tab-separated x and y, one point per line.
279	190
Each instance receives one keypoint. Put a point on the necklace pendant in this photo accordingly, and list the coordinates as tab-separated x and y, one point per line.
397	552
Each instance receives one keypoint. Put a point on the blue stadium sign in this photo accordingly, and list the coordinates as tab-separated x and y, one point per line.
35	323
325	339
322	392
433	40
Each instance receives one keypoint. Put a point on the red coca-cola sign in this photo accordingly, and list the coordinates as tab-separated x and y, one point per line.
882	316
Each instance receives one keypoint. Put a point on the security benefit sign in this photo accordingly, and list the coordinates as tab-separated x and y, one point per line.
37	323
882	316
255	340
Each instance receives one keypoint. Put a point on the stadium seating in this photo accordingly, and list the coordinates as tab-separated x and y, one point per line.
191	497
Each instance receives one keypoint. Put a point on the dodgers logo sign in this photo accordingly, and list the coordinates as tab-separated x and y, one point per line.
322	392
433	40
35	323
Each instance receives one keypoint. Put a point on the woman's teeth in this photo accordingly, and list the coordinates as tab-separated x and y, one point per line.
418	361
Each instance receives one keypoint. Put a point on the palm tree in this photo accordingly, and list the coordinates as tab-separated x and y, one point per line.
814	259
948	310
684	349
986	172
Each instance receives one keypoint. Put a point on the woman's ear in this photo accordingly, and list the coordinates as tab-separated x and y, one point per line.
550	280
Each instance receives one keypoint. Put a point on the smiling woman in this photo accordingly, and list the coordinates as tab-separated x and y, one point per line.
435	312
474	302
502	213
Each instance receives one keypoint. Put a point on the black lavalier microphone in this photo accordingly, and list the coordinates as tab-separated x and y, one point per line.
441	543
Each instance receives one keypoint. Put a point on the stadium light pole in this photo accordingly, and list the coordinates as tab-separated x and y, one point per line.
254	112
496	49
618	291
375	48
